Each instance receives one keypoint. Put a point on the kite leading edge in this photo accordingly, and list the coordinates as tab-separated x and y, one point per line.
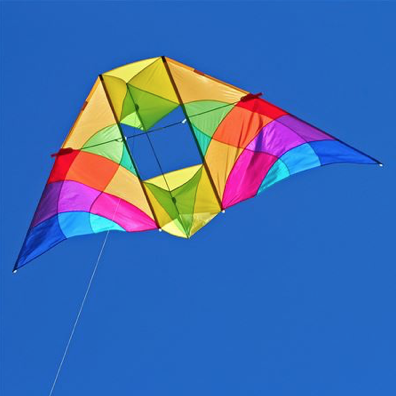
246	145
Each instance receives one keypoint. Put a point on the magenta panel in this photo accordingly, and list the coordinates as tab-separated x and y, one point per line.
123	213
75	196
246	176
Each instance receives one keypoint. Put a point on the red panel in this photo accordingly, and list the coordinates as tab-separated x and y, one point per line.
263	107
61	166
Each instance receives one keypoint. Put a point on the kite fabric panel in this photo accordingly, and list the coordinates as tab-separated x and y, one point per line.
246	145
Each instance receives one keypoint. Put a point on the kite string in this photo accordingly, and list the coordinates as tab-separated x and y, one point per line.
82	306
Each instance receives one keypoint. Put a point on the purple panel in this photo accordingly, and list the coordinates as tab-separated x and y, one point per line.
246	177
75	196
48	205
123	213
306	131
275	138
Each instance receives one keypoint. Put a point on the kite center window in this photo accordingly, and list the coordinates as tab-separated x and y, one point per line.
167	146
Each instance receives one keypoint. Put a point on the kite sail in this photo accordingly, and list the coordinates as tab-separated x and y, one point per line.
245	143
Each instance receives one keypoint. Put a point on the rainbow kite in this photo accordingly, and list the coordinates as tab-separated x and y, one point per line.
246	144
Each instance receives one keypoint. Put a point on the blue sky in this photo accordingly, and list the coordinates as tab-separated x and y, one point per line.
291	293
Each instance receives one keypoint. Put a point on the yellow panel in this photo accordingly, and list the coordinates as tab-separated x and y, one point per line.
129	71
160	213
117	91
127	186
193	86
200	220
95	115
175	178
220	159
173	229
155	79
163	218
206	204
132	120
205	199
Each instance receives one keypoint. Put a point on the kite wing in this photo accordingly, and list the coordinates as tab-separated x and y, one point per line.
246	144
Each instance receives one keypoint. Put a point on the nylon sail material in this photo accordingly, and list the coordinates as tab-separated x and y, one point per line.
246	144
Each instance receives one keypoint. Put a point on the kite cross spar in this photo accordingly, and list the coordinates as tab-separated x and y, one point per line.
245	143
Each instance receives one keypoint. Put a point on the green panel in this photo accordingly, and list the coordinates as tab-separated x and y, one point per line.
126	161
277	172
128	115
179	203
185	200
180	225
107	143
203	140
207	115
150	108
164	198
132	120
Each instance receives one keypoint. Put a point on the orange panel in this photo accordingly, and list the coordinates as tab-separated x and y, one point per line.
240	127
92	170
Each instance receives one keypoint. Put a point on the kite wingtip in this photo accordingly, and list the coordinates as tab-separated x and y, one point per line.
381	165
14	271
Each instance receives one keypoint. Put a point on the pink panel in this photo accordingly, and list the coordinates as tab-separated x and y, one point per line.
127	216
246	176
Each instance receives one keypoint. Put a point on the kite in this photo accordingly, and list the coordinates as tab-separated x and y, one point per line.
245	143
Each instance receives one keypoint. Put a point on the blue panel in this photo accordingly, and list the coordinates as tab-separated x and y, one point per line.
40	239
100	224
277	172
331	151
300	158
75	223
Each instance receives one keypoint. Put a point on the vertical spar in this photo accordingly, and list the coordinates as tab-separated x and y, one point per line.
129	152
192	130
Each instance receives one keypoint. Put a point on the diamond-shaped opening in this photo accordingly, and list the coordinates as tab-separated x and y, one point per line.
174	146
